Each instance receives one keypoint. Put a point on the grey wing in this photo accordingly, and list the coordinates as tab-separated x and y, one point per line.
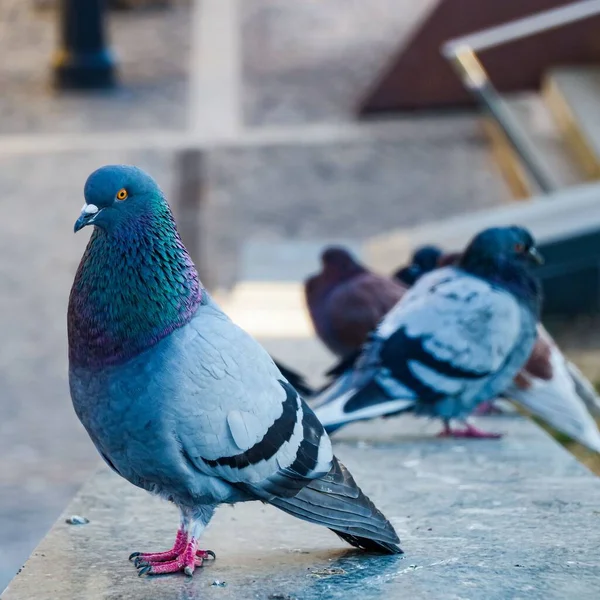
562	401
462	321
240	420
258	435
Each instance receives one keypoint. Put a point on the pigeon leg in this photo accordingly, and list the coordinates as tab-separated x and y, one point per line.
470	431
447	431
178	547
187	561
184	556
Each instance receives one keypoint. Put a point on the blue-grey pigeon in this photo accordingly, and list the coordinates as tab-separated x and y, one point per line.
179	400
455	340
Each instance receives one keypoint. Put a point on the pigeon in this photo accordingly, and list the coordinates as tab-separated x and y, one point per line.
179	400
563	398
549	385
424	260
346	301
458	338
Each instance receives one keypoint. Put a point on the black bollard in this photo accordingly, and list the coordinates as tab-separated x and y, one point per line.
83	61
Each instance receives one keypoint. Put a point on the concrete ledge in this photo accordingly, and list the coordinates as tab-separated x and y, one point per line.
482	520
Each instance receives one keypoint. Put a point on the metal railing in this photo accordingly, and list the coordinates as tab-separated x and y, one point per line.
462	54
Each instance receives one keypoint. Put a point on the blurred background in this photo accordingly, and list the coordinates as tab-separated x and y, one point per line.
274	127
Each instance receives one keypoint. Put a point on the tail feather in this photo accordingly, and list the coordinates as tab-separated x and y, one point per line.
343	404
585	390
297	380
335	501
343	365
369	545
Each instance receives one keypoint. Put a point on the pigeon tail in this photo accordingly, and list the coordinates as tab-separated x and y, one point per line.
297	380
344	364
342	403
335	501
567	402
585	390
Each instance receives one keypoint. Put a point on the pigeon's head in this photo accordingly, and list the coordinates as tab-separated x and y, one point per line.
117	195
502	244
340	263
426	258
338	266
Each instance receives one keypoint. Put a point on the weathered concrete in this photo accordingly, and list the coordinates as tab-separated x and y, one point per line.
478	520
553	217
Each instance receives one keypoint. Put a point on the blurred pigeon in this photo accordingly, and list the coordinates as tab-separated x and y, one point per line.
346	301
551	387
458	338
563	398
179	400
537	364
424	260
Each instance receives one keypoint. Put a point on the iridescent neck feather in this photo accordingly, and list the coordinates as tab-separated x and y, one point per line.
133	287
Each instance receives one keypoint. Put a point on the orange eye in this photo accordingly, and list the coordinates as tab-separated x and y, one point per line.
519	248
122	194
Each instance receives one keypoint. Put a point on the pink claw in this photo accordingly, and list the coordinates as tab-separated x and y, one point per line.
174	552
184	556
469	432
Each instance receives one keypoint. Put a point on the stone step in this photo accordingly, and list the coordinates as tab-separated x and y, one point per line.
536	121
573	96
362	182
287	261
476	520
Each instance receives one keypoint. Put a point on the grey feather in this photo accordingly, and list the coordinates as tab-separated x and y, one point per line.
452	342
181	419
567	401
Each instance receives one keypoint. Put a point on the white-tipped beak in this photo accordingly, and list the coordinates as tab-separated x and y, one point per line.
87	216
89	209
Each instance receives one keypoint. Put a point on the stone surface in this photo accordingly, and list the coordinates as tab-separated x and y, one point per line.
287	261
421	168
478	520
556	216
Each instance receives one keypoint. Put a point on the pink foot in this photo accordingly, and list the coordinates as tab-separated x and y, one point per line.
469	432
174	552
184	556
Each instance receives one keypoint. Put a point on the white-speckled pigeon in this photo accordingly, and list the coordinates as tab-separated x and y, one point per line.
179	400
456	339
549	385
